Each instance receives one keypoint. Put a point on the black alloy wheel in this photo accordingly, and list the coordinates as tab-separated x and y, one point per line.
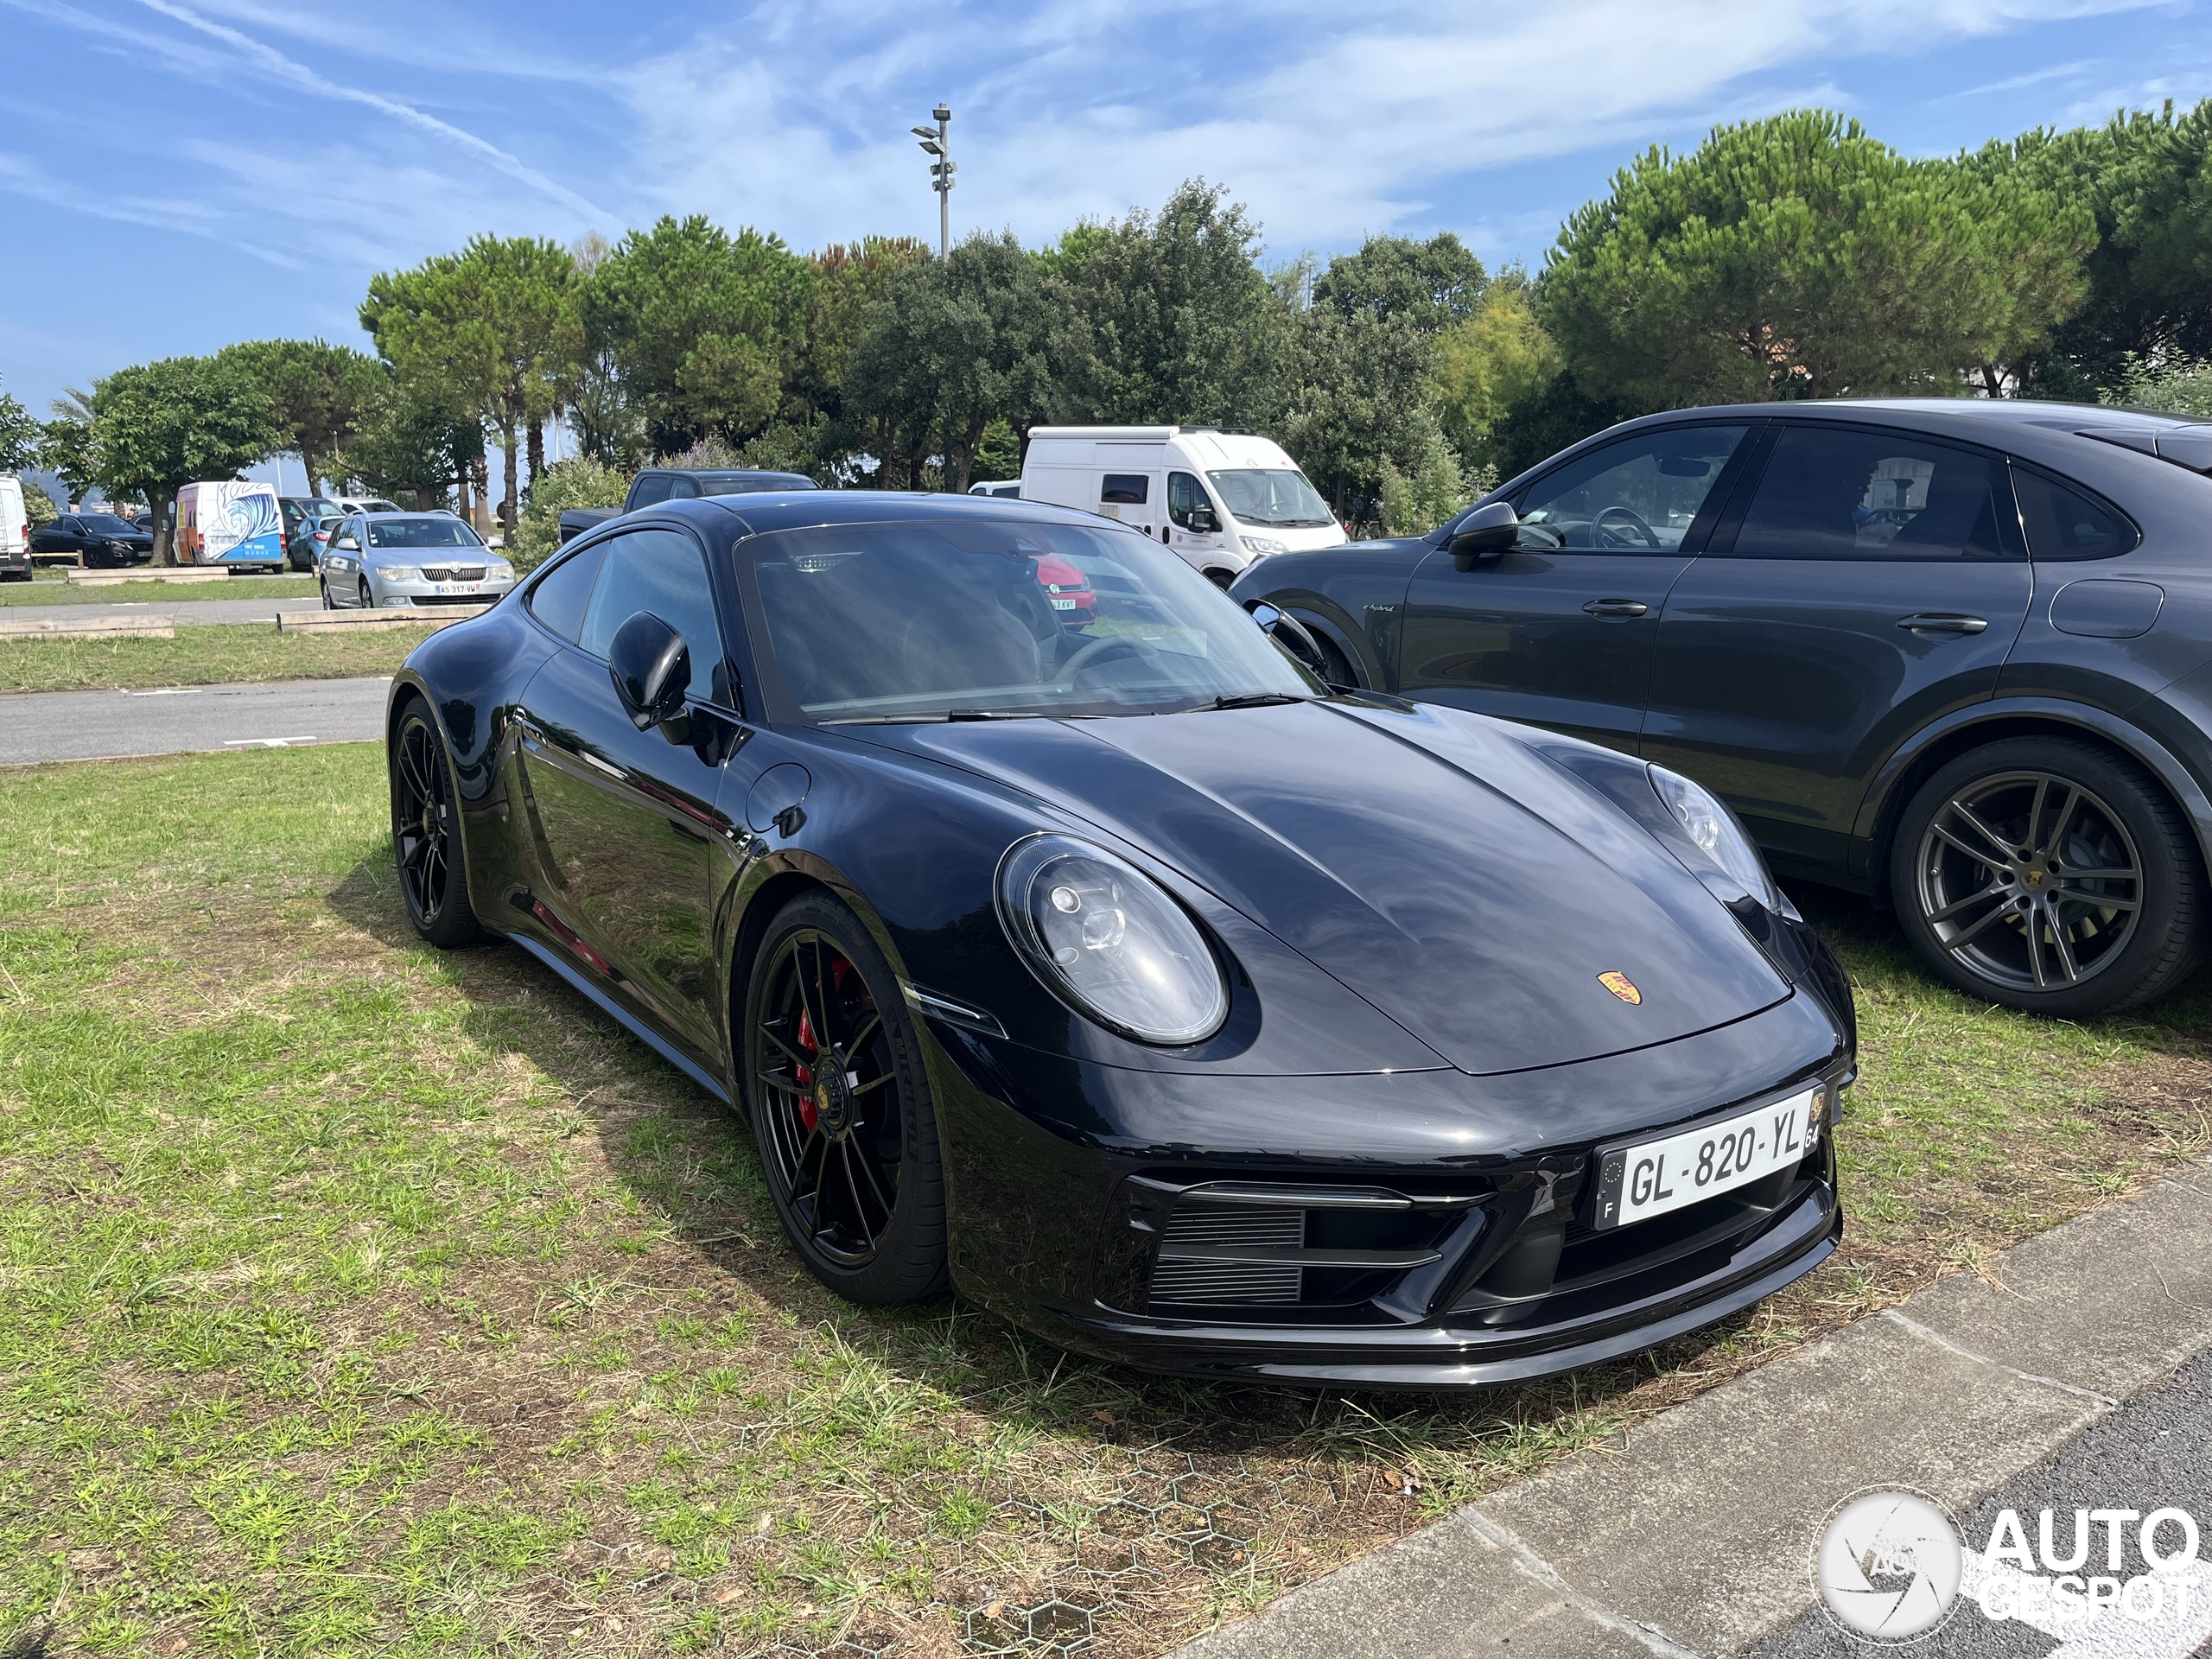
425	834
840	1108
2050	875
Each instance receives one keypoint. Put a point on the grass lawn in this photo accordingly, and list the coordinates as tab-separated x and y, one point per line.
355	1298
217	656
46	592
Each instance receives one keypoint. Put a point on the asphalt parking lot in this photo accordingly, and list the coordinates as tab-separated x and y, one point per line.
104	725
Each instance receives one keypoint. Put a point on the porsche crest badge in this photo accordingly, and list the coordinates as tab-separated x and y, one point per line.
1621	985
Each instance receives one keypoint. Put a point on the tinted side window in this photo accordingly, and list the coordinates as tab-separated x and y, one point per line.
1130	489
663	571
682	488
2064	523
563	593
649	489
1184	492
1644	494
1841	493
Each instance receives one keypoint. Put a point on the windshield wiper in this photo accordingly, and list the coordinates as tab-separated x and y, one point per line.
994	713
1254	700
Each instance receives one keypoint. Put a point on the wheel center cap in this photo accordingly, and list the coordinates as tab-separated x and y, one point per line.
832	1100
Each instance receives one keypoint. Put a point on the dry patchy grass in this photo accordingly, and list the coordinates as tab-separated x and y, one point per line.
354	1298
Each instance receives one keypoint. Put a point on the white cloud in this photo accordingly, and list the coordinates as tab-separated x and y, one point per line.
1330	121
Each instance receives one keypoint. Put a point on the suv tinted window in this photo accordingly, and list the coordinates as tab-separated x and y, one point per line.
663	571
562	595
650	488
2064	523
1644	494
1848	492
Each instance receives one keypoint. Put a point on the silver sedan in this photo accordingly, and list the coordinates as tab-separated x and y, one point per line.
408	559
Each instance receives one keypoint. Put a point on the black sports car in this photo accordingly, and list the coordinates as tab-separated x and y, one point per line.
1102	963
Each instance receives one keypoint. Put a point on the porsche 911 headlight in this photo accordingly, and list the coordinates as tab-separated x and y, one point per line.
1712	829
1108	941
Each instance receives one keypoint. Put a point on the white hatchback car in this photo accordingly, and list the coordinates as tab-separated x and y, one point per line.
409	558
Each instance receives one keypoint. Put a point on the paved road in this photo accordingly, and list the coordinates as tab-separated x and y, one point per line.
186	612
96	725
2154	1452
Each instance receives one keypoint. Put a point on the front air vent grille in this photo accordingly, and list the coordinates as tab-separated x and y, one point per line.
1191	1270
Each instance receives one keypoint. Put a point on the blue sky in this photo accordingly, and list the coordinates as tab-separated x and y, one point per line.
180	174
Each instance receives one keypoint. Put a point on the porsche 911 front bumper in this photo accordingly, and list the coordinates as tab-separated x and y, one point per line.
1408	1230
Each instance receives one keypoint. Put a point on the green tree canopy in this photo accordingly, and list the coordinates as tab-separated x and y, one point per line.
704	327
493	329
1496	359
19	435
1792	257
157	427
1436	282
1168	318
1357	408
322	392
956	344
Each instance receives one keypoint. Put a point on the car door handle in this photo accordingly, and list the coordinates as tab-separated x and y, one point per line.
1942	622
1616	607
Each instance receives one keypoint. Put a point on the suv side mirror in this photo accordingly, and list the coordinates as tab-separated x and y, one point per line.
651	667
1288	632
1484	533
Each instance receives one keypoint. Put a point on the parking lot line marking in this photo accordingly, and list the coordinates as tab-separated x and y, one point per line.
170	691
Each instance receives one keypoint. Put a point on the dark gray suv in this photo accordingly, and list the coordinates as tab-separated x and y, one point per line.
1955	654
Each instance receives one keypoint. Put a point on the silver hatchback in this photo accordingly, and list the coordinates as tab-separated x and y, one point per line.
409	559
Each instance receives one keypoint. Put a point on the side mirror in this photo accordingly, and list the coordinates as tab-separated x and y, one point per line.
1202	523
1292	635
651	667
1485	533
348	544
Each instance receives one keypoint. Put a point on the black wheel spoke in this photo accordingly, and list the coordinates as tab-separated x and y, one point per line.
858	1044
871	1085
776	1081
792	1052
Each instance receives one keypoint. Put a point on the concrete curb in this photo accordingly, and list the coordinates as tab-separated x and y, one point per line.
1695	1539
149	572
375	621
92	627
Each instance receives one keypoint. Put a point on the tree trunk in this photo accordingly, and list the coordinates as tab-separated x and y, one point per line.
537	452
460	499
511	449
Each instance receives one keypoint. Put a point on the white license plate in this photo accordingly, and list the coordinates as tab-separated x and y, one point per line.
459	586
1636	1183
1064	604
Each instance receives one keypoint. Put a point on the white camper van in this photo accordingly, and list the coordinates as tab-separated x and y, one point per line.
1221	500
15	531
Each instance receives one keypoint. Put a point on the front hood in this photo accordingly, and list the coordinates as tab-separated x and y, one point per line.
1464	886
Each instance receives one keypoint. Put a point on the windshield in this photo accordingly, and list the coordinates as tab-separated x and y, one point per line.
421	532
108	524
963	617
1271	495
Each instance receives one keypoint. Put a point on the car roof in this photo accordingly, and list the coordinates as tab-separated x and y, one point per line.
772	510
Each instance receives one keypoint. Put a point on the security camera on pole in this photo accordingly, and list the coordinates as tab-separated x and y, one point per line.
936	142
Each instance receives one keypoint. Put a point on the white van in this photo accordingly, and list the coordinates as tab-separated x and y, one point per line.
1221	500
15	531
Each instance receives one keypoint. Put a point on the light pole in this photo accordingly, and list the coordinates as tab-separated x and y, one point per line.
937	140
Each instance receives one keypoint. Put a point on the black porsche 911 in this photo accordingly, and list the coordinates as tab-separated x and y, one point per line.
1103	962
